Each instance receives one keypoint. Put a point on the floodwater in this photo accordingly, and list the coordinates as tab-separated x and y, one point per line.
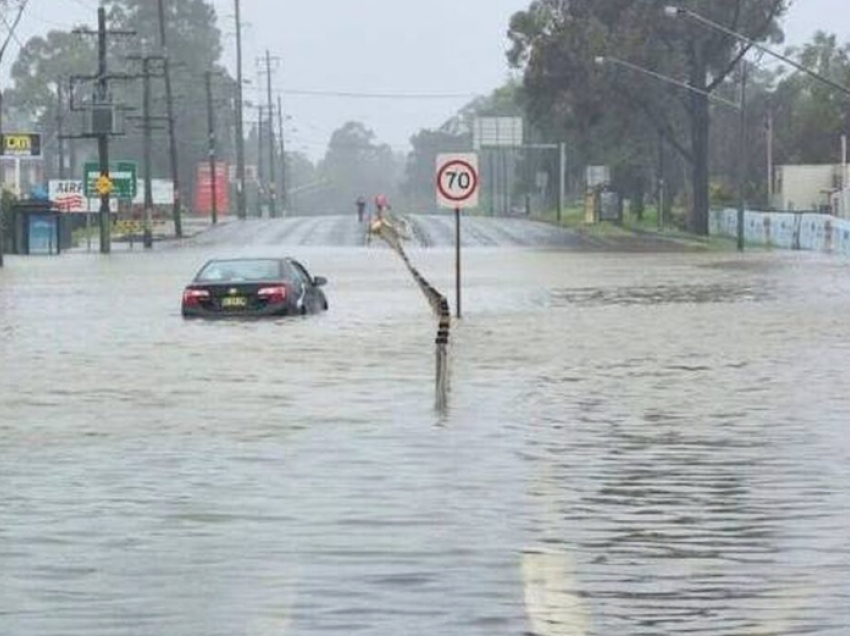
635	444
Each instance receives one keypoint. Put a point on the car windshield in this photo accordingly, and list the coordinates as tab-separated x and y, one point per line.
240	271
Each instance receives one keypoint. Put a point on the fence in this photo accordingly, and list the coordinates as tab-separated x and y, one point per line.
787	230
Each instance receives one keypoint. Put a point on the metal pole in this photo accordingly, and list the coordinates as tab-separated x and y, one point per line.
2	232
770	185
242	210
261	172
103	136
492	162
212	149
60	128
457	263
284	197
562	181
742	160
843	212
172	124
146	115
2	215
272	148
661	182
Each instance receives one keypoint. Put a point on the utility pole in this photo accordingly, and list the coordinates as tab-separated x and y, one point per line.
284	196
742	165
60	128
562	180
148	233
261	172
240	132
272	150
662	185
770	158
102	135
169	98
102	120
212	147
147	135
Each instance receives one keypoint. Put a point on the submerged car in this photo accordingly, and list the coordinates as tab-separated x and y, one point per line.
253	287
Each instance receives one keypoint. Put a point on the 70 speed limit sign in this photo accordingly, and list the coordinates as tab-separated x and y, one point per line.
457	181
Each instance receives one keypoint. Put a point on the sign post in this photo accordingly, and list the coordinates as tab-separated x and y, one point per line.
458	184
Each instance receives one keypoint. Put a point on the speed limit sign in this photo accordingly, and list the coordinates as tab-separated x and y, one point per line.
457	181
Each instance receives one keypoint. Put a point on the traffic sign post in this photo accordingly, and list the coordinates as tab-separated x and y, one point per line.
458	185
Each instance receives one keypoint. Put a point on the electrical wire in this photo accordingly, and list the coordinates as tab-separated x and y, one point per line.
359	95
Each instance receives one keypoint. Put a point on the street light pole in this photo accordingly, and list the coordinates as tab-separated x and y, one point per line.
241	207
742	160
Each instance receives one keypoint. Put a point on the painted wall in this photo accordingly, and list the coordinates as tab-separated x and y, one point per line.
788	230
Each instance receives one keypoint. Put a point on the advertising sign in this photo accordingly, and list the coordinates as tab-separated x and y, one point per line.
20	145
204	189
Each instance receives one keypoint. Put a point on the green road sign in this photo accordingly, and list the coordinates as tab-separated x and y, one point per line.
122	174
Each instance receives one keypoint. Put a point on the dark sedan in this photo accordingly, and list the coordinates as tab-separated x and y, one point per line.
253	287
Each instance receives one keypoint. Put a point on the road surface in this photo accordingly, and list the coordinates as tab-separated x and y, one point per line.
424	231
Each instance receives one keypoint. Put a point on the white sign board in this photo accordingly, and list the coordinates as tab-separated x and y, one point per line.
162	190
69	197
598	176
497	132
458	181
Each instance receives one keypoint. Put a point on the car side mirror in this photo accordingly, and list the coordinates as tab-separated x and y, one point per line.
320	281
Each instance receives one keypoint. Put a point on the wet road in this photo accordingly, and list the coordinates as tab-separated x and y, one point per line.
636	444
423	231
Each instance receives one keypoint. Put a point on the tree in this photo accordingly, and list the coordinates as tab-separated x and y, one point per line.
556	44
41	66
809	116
194	48
356	164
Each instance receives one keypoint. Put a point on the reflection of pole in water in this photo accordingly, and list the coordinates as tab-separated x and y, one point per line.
442	377
552	599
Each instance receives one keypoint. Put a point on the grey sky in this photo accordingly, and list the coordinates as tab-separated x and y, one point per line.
383	46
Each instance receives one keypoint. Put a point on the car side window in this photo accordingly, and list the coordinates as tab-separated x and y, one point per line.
302	273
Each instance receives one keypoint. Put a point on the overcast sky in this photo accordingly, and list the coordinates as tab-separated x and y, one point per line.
454	47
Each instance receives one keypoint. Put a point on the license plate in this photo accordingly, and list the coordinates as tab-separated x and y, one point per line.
234	302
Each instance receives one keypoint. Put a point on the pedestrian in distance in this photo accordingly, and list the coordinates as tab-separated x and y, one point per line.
361	208
382	204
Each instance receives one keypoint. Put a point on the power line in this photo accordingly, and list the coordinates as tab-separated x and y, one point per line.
12	32
359	95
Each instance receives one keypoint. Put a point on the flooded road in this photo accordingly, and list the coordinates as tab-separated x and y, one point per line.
635	444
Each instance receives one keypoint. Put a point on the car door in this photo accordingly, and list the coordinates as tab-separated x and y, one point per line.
312	301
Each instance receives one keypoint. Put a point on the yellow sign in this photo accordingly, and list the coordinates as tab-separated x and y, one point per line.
104	185
20	145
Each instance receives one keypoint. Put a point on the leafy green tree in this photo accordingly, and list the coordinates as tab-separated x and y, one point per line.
43	64
810	117
194	47
556	45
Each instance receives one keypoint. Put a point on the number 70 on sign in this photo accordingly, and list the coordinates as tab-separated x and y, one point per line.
458	181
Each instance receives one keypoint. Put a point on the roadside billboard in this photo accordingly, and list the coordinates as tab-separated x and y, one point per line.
204	189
